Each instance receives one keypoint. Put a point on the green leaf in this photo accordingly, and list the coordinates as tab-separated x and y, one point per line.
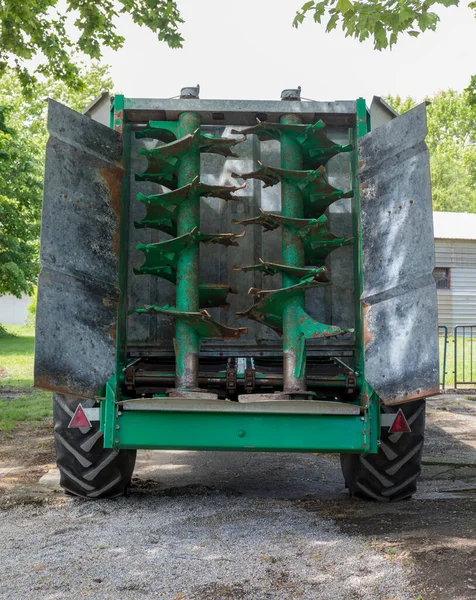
298	19
344	6
319	11
449	3
307	6
406	14
427	20
332	23
380	36
414	33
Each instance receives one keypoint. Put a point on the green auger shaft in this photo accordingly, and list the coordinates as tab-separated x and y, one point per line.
187	341
292	205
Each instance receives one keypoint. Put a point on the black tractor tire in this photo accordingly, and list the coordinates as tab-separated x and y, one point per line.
391	475
86	468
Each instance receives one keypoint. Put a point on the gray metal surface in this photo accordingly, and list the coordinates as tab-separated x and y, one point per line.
333	305
237	112
265	407
399	296
77	293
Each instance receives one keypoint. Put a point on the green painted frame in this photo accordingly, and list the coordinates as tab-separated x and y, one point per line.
267	432
240	431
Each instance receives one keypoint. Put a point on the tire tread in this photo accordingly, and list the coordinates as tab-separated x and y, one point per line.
86	468
390	475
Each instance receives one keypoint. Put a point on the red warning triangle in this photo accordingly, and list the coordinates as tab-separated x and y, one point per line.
79	419
400	425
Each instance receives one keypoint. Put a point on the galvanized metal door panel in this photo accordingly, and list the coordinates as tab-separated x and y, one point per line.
77	289
399	294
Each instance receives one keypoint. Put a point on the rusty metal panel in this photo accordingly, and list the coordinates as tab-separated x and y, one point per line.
77	289
399	295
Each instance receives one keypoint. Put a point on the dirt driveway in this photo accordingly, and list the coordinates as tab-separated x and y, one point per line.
244	526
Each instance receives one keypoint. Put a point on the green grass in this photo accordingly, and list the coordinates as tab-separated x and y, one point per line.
18	403
31	409
466	370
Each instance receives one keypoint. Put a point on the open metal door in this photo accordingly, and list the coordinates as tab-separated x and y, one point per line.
399	293
77	289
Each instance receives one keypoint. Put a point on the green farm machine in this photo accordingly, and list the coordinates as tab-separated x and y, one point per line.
238	276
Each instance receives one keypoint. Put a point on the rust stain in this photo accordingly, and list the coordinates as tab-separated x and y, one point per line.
368	335
364	400
411	396
118	120
113	179
50	386
112	332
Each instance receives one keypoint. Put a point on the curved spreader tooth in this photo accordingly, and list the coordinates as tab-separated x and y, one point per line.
271	221
225	239
161	210
319	274
158	216
217	145
205	143
214	295
317	194
201	322
264	174
269	305
161	258
176	197
318	249
164	131
162	174
316	147
164	161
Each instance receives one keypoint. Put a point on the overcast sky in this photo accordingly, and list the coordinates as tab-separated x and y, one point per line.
247	49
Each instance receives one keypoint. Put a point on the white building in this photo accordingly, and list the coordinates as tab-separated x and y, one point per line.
455	252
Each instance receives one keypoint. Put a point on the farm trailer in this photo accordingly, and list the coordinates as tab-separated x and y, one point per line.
187	214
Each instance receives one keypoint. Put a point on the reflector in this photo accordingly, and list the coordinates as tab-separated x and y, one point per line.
79	419
400	425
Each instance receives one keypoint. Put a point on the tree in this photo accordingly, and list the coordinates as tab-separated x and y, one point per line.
20	201
451	142
384	20
38	30
23	138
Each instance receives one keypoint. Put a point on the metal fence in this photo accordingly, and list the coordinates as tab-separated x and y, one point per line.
464	340
443	333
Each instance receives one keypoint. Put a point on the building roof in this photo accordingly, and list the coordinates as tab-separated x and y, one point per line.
454	226
98	100
379	100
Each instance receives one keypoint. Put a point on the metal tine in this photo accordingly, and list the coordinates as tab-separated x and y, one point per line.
271	221
320	274
179	147
316	147
176	197
200	321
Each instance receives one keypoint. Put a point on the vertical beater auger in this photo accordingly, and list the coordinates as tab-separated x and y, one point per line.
176	165
305	195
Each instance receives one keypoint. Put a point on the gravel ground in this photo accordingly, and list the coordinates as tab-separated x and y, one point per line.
189	544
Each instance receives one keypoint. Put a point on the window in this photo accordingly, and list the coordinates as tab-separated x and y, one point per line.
442	276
